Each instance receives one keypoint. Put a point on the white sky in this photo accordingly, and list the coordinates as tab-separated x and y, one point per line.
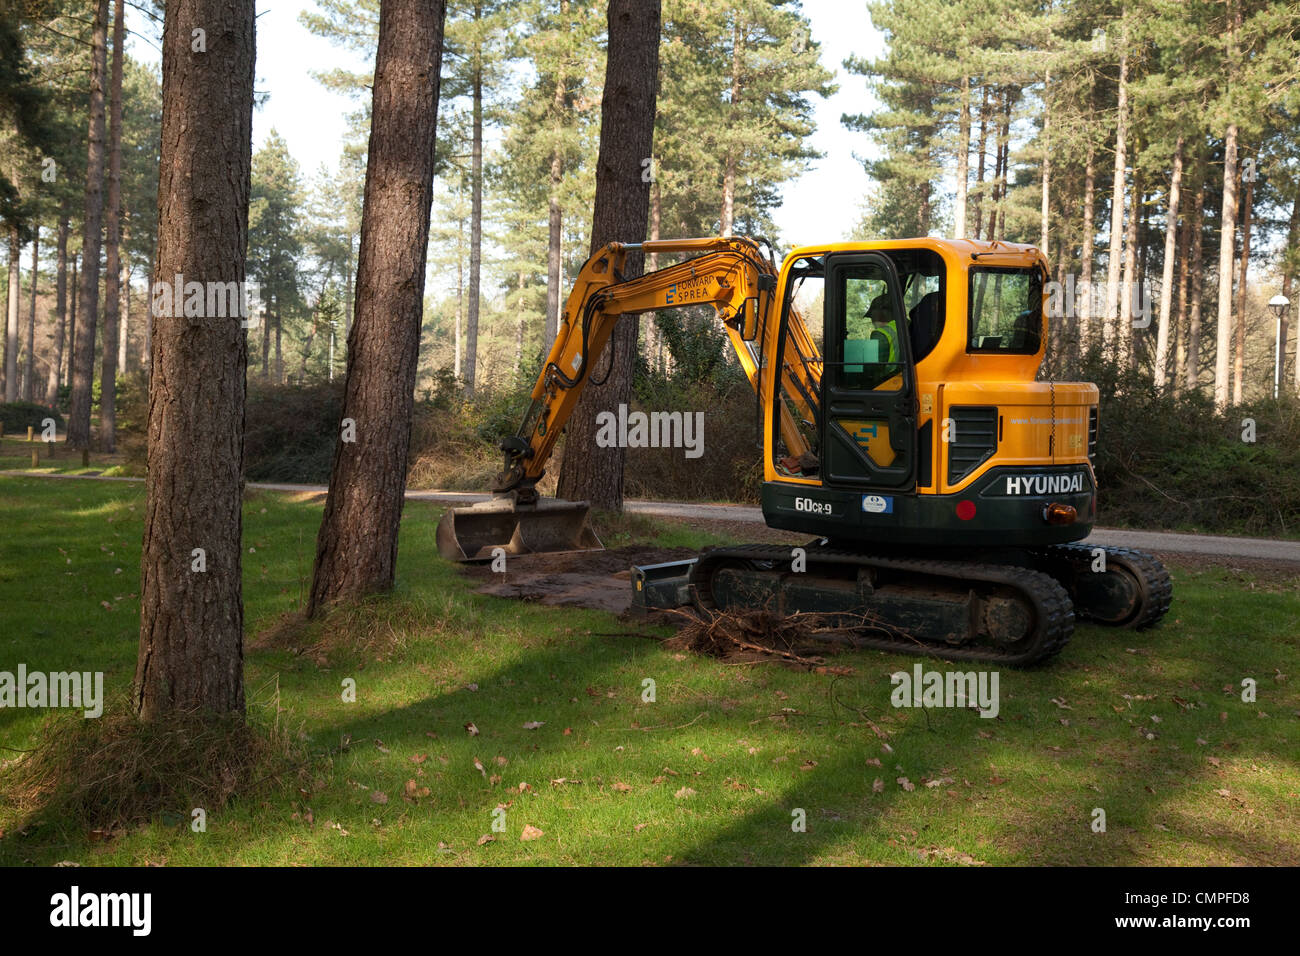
820	206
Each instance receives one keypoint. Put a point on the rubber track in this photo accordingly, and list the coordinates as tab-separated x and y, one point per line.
1050	602
1156	586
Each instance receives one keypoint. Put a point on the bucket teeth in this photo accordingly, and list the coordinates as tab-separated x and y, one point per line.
550	526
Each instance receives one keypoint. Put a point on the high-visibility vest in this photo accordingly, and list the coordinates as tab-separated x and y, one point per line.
890	333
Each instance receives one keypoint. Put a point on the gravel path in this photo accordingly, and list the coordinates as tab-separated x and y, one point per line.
1267	549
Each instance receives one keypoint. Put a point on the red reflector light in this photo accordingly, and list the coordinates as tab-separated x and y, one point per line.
1056	513
965	510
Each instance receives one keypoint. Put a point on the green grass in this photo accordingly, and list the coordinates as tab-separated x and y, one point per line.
1217	783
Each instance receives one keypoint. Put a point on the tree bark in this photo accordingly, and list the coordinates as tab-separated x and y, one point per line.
356	550
653	338
1178	373
83	372
71	350
29	366
1227	255
727	217
53	380
1193	371
621	211
963	161
554	235
1239	355
979	171
475	222
1115	249
519	332
11	315
113	239
1047	163
1086	255
192	621
1132	279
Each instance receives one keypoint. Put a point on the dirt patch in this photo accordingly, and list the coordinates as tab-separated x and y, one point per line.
593	579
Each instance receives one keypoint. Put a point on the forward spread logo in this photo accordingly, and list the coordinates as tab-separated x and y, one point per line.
75	689
73	909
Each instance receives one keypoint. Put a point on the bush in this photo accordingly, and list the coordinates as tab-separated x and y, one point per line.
1171	460
19	416
290	431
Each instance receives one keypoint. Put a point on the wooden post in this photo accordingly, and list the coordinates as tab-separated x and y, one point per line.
29	432
36	458
50	448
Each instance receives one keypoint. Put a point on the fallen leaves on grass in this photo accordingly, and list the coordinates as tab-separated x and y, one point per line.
473	731
684	793
531	833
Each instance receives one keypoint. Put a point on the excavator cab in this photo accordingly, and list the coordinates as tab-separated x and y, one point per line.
920	404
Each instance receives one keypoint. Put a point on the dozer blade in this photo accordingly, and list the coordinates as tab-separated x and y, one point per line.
550	526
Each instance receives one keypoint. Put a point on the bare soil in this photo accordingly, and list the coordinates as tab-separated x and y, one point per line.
592	579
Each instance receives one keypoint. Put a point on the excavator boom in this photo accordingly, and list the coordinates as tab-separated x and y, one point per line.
731	274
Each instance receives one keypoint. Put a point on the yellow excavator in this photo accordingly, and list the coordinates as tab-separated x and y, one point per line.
903	427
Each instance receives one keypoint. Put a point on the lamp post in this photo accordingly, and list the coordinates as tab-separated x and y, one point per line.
1278	306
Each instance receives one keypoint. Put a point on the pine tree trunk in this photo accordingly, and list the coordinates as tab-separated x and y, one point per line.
727	218
29	366
1114	252
460	297
1178	373
70	351
83	369
279	360
1047	162
555	217
53	380
963	161
356	550
475	225
621	211
653	337
1086	254
191	620
519	332
978	206
1227	256
1132	280
124	338
1193	371
11	315
1288	283
1239	356
347	291
267	311
112	244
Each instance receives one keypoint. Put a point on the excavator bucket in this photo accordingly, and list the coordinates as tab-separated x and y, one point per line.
547	527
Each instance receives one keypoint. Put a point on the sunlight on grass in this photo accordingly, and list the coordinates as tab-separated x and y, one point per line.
1150	727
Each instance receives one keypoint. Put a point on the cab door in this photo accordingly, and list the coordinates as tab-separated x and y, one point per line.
869	395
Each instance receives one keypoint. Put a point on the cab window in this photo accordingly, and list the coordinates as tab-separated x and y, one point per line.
872	348
1006	310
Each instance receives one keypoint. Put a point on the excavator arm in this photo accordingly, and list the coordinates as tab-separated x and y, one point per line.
731	274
